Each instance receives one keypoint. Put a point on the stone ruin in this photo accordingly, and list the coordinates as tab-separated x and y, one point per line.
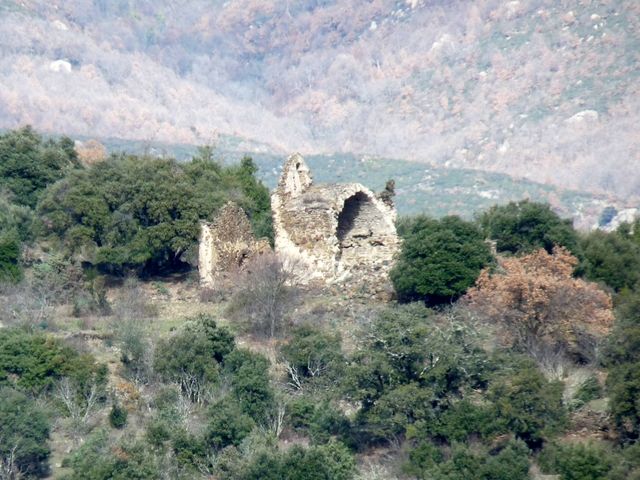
328	233
226	244
335	233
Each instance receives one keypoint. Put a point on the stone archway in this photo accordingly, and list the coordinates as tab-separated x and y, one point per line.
361	225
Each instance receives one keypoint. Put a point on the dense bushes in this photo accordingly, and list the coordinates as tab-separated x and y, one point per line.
34	362
538	306
612	258
509	462
622	357
24	433
439	260
526	226
144	213
28	163
192	357
313	357
10	268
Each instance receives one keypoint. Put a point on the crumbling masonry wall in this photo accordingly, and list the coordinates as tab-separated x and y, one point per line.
335	232
226	244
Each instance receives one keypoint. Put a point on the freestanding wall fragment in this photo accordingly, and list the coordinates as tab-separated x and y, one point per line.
226	244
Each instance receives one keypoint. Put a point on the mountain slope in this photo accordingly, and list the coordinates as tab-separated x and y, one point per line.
540	89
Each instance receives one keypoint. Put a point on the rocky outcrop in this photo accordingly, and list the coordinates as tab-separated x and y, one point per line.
226	244
334	232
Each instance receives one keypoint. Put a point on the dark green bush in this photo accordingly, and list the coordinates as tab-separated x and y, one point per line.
300	412
326	462
328	422
460	421
28	163
577	461
313	355
612	258
144	213
439	259
191	357
622	358
250	383
34	362
522	227
158	432
25	428
527	404
508	462
118	416
408	370
227	424
10	253
190	450
331	461
98	459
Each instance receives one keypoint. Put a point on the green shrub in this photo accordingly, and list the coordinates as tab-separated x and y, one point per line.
191	357
394	411
526	226
439	259
227	424
144	213
118	416
98	459
623	384
331	461
577	461
34	362
158	431
250	383
458	422
527	404
405	345
18	218
313	355
612	258
408	370
190	450
300	412
328	422
10	253
508	462
25	428
622	358
28	163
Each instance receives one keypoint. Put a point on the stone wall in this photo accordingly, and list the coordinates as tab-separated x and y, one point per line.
338	233
226	244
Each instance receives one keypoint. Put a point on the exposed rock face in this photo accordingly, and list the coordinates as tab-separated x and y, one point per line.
335	232
226	244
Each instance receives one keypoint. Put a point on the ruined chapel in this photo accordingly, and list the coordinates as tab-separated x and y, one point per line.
336	232
329	233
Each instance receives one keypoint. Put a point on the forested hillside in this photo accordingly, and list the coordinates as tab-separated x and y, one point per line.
506	347
542	89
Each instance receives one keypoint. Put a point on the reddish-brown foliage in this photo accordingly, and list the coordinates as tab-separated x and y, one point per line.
537	301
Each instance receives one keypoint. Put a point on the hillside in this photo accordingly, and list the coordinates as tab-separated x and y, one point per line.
430	189
538	89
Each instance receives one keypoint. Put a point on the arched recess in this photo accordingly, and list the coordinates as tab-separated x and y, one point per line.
360	225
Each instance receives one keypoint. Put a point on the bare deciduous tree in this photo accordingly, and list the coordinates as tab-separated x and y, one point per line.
9	469
265	294
80	404
133	313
